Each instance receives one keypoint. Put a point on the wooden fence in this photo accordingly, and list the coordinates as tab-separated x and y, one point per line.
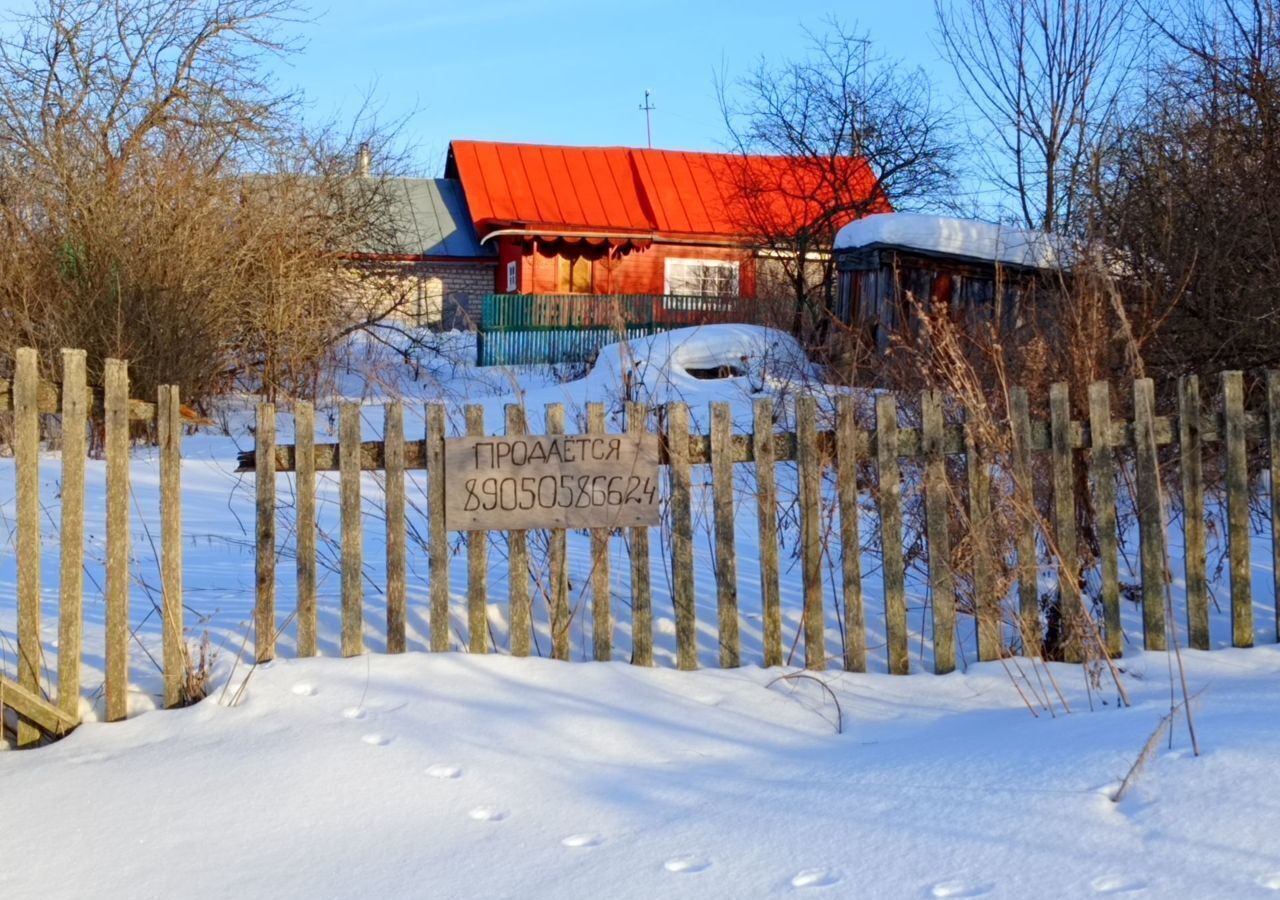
27	399
531	329
854	457
844	450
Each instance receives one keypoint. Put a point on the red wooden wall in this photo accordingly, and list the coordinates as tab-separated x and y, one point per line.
637	272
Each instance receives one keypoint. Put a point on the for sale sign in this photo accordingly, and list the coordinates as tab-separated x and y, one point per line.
551	481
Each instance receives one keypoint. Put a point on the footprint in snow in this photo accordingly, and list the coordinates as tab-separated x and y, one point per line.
816	878
960	889
487	814
376	740
1117	884
444	772
354	712
686	865
587	839
1270	881
302	689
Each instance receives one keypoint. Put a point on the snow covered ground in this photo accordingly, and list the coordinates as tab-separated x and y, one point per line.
453	775
461	776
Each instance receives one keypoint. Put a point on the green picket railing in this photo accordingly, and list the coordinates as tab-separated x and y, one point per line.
530	329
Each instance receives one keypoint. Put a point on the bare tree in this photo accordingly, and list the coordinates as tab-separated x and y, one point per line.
1189	203
854	133
1047	79
160	201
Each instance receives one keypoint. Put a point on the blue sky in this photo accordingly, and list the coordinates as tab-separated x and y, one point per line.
565	71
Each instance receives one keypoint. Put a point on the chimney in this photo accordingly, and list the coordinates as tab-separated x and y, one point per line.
364	160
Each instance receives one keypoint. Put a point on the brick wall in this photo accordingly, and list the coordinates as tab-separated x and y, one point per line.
434	293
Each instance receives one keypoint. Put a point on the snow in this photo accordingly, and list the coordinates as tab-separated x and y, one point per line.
463	776
459	775
956	237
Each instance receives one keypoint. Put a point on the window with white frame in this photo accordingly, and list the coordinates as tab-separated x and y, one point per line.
700	278
429	308
513	277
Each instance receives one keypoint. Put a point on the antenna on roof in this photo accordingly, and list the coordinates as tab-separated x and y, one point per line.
647	108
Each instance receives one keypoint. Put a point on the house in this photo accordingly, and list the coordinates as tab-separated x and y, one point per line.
891	264
440	269
691	233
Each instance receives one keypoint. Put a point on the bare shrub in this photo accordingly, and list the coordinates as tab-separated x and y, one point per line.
160	202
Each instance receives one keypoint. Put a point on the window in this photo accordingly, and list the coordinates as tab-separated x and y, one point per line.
574	275
429	309
513	277
700	278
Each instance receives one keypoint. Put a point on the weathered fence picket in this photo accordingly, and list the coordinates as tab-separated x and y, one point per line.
1103	482
682	535
1193	530
638	538
1237	508
304	426
767	515
726	560
173	634
116	404
601	594
521	603
264	617
349	454
393	441
75	411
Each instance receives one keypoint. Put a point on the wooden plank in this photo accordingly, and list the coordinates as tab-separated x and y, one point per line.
601	595
1024	510
1102	475
890	504
682	536
986	601
26	453
726	561
937	510
116	388
850	444
1195	554
1071	608
34	711
1237	509
1273	450
264	615
71	532
304	435
173	639
559	615
767	515
809	470
598	482
520	601
437	537
641	592
393	437
477	561
1151	534
352	529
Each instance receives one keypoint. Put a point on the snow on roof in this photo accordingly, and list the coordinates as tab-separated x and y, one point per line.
967	238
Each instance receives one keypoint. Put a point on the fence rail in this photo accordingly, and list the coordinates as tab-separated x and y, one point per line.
528	329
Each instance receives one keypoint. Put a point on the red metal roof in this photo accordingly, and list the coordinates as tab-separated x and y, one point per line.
642	193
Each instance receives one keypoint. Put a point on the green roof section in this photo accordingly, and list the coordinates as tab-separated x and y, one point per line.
433	220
